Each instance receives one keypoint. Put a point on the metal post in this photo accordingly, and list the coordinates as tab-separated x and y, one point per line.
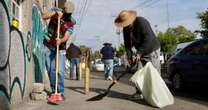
87	72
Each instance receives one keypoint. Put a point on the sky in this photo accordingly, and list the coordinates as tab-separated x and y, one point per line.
95	25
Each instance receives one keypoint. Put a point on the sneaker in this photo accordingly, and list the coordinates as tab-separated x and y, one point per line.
110	78
136	96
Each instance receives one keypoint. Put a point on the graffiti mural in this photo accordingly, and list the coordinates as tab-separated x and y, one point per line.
15	59
4	55
22	56
38	33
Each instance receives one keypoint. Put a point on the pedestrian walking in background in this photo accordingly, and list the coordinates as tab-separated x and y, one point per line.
107	57
73	54
138	34
50	42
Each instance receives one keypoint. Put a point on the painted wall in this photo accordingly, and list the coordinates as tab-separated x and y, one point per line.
22	60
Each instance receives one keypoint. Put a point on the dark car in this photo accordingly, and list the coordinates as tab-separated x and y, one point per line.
189	66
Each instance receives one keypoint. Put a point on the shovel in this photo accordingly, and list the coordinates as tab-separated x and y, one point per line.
102	95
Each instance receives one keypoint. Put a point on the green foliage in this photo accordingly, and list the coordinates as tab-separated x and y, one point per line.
95	55
121	50
83	48
167	41
173	36
203	16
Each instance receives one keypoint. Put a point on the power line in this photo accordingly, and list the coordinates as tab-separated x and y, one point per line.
80	8
151	4
143	3
85	10
83	13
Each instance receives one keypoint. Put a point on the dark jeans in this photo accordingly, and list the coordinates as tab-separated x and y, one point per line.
73	62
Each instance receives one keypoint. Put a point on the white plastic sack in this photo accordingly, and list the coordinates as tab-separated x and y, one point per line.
152	86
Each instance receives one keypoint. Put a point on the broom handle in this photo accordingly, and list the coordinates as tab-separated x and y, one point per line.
57	57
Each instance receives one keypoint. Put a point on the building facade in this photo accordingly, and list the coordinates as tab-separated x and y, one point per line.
22	60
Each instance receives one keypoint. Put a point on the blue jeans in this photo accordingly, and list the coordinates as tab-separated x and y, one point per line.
50	66
75	61
108	67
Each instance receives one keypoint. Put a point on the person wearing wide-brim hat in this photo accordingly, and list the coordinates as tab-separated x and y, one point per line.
138	33
107	57
50	42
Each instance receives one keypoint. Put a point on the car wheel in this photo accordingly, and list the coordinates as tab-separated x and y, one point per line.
177	81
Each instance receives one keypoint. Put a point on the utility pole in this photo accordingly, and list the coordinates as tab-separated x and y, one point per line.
118	32
167	8
56	3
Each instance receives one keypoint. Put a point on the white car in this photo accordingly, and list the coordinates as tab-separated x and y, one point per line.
98	65
162	60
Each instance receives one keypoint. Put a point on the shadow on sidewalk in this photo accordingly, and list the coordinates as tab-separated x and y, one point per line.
194	94
112	94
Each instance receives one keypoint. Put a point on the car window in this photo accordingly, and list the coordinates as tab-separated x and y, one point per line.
198	48
99	62
204	47
190	49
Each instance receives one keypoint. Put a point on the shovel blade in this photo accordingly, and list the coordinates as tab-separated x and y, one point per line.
98	97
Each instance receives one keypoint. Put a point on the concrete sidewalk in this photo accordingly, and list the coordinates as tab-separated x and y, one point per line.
117	99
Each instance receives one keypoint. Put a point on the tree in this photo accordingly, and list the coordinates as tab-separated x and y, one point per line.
167	41
83	48
173	36
121	50
203	16
96	55
181	34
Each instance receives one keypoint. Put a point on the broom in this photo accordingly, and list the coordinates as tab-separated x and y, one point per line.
56	96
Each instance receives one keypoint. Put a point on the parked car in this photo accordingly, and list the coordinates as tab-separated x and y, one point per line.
98	65
189	66
182	45
162	59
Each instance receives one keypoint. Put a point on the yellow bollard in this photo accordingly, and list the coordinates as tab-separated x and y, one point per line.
87	78
82	67
68	70
80	70
87	72
68	73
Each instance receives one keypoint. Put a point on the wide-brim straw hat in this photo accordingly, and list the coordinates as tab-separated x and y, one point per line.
106	43
68	7
125	18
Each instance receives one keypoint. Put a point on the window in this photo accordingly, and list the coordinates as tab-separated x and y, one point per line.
187	50
204	47
198	48
15	7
